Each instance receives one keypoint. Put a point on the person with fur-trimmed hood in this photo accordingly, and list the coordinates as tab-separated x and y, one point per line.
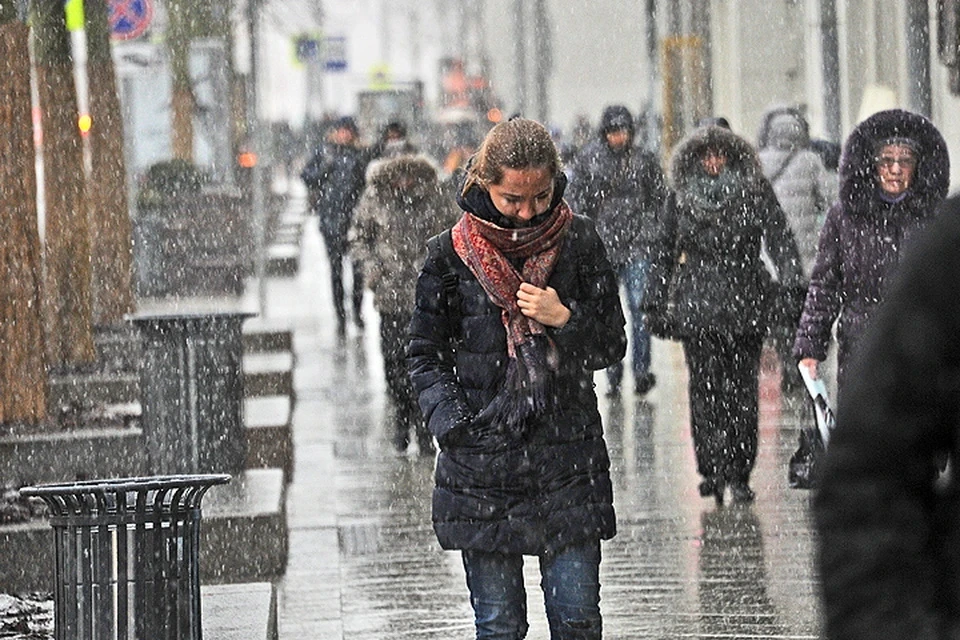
401	207
709	289
894	172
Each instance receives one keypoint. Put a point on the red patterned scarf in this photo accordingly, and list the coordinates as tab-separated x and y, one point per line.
486	249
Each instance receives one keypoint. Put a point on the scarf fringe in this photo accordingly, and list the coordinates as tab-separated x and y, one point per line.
530	386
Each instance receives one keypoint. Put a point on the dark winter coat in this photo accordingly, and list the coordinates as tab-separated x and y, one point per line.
392	224
803	186
863	236
334	177
889	535
494	492
623	192
708	274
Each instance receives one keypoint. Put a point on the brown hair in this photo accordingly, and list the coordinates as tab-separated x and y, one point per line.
515	144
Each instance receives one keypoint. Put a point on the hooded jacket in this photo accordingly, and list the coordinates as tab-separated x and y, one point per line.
864	234
400	209
622	190
803	186
496	491
708	275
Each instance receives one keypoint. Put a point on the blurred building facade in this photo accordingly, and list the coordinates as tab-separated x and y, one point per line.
678	60
843	60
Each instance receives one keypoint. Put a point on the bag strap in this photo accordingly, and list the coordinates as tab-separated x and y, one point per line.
451	282
783	167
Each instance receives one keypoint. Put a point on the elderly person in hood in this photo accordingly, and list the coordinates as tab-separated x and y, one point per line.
709	261
401	208
894	172
805	190
621	187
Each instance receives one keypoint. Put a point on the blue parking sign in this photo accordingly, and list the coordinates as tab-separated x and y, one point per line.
129	19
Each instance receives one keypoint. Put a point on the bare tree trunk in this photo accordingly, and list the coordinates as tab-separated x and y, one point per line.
23	375
67	237
109	213
182	102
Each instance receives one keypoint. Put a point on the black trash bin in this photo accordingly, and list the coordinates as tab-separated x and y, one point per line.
127	556
191	389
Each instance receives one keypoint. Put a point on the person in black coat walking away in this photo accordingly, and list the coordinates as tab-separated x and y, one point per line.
888	526
334	176
515	309
894	172
621	187
709	261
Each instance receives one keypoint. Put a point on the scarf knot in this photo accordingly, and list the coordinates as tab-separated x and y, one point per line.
488	251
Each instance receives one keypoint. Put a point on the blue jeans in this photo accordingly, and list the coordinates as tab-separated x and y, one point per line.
570	580
633	277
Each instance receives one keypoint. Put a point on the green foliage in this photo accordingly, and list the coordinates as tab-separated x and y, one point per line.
170	179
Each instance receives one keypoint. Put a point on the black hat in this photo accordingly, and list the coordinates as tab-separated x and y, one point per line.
346	122
616	118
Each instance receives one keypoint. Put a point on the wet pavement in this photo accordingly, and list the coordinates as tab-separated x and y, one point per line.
364	563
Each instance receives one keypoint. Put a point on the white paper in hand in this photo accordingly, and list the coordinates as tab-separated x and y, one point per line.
818	391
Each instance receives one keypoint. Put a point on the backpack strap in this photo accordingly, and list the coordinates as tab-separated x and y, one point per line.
451	281
783	167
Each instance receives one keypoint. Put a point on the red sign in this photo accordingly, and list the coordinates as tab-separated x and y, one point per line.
129	19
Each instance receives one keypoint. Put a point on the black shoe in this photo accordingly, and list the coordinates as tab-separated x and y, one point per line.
742	493
712	487
645	383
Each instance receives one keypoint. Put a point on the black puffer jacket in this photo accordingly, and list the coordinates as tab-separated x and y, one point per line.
494	492
708	263
889	536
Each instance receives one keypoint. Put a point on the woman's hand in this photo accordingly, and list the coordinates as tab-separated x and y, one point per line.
810	364
542	305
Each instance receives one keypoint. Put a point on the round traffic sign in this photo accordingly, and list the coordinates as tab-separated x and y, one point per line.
129	19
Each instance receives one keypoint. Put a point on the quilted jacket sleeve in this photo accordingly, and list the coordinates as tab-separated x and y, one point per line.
594	337
430	355
823	303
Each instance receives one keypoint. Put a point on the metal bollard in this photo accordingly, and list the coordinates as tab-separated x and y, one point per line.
191	386
127	556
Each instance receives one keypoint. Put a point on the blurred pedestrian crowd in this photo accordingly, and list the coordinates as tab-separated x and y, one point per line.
490	338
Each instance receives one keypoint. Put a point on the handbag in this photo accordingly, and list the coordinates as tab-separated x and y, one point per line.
803	469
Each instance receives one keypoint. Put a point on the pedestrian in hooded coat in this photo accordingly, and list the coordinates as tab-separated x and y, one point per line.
621	187
401	208
334	177
709	288
894	172
889	531
805	191
515	309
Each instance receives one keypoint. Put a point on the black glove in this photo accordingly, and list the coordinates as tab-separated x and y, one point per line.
660	325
